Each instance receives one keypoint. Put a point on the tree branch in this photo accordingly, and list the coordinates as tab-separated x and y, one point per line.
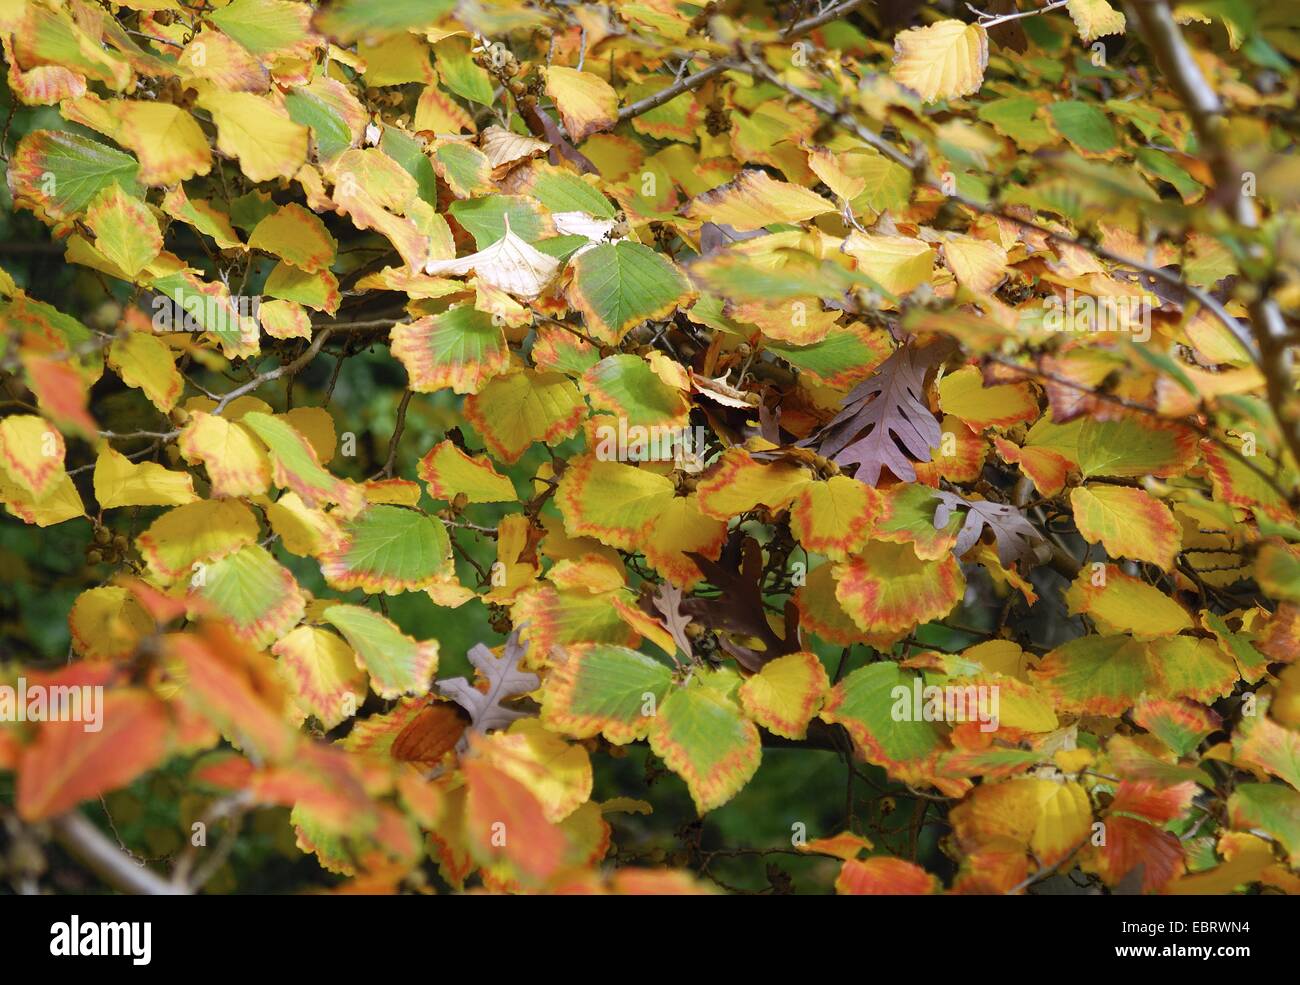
90	845
1268	326
690	82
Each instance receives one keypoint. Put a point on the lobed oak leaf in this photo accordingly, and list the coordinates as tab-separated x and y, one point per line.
884	417
504	681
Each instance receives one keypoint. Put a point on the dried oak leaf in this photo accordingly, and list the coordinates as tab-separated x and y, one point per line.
885	418
504	681
668	601
1016	539
739	609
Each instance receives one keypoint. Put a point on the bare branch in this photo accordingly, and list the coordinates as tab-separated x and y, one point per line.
90	845
1175	59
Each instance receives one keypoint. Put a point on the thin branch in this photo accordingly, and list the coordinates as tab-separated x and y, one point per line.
687	84
834	13
691	82
760	68
391	461
993	20
89	844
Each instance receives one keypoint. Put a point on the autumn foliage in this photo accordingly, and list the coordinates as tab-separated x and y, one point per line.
553	447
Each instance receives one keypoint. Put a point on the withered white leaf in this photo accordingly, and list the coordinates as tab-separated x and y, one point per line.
505	149
510	264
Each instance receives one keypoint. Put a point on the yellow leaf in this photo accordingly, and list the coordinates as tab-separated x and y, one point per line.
827	166
145	362
165	138
31	452
976	263
737	483
202	531
1120	603
323	673
754	200
121	482
107	623
556	772
587	103
1127	522
296	236
259	132
303	530
125	230
899	264
284	319
316	424
964	395
237	463
942	61
784	696
60	501
1095	18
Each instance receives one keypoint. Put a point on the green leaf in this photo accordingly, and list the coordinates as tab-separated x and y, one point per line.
460	74
347	20
618	286
1084	125
485	218
330	130
461	348
407	152
604	689
294	465
389	549
561	191
1271	807
61	172
1017	118
396	663
626	386
839	360
701	735
263	26
254	592
466	169
864	704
